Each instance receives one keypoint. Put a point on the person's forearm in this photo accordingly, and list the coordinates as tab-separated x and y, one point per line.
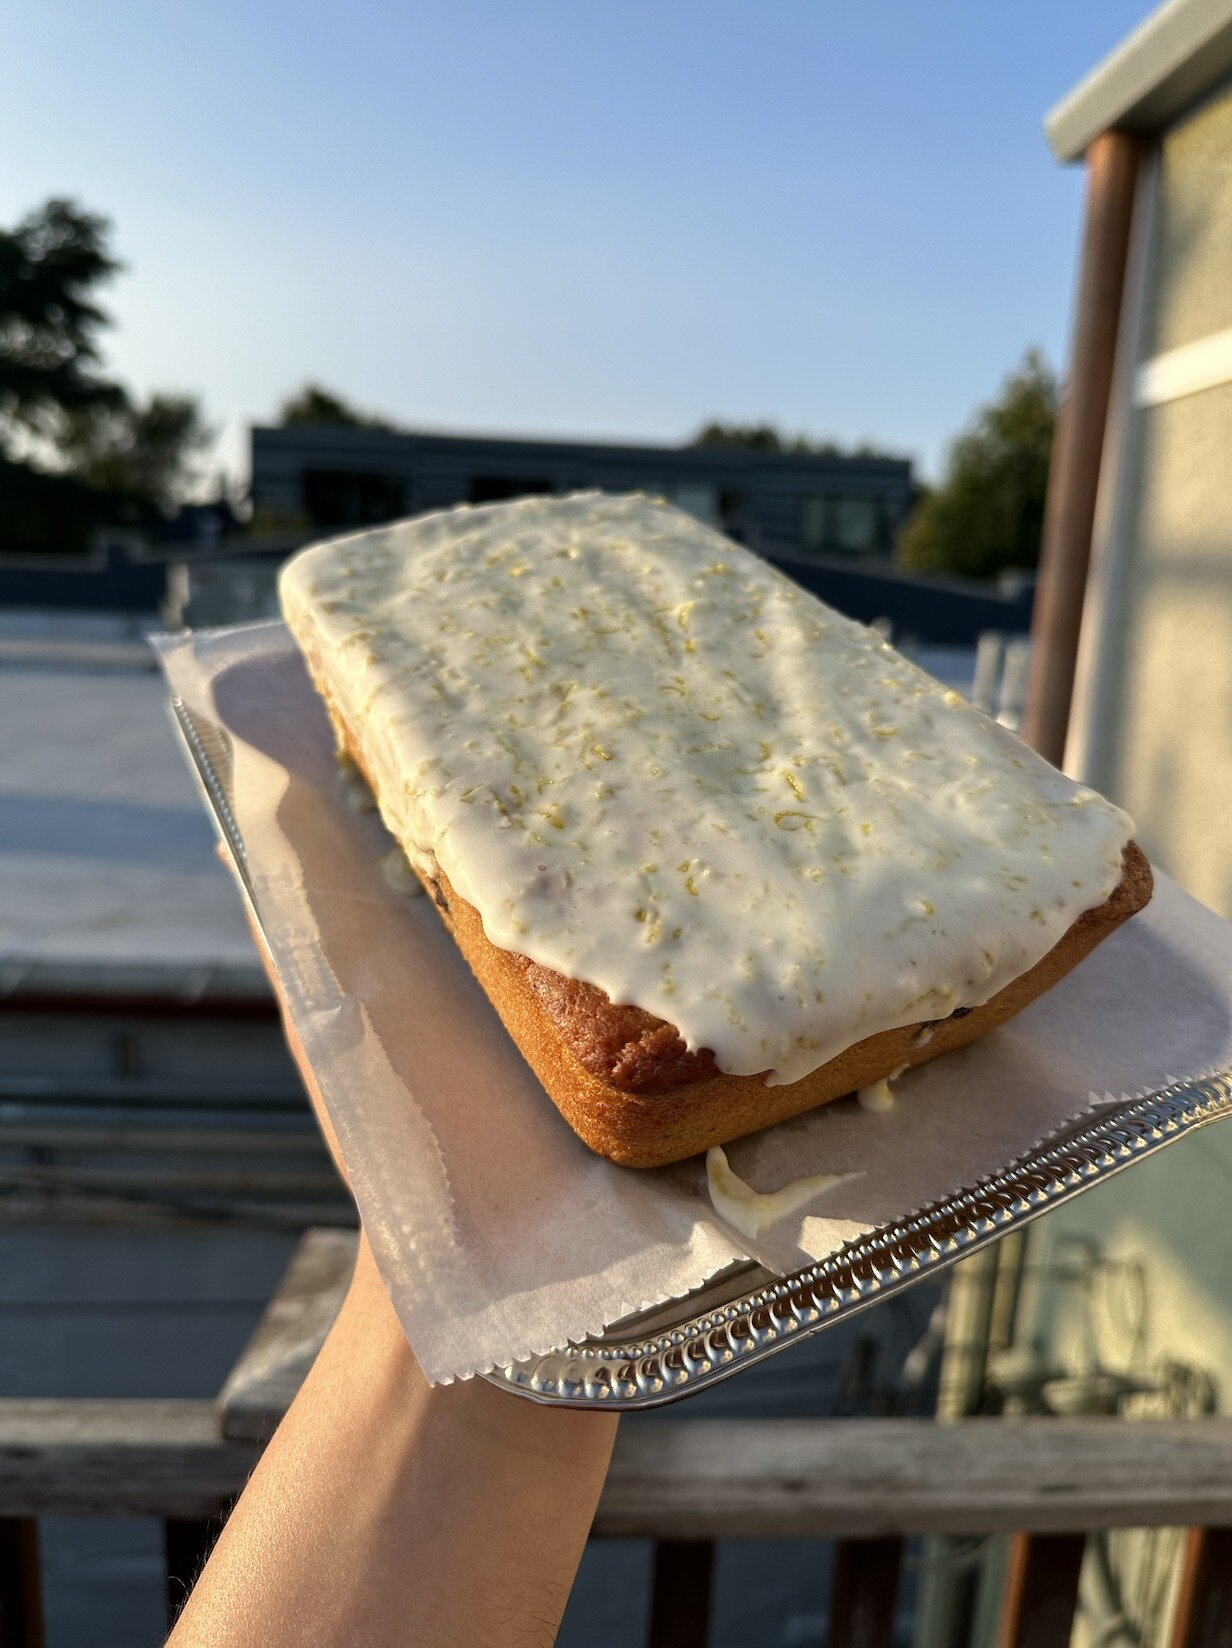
386	1512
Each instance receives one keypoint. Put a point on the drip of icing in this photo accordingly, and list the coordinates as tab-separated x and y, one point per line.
751	1211
398	873
877	1096
653	763
359	798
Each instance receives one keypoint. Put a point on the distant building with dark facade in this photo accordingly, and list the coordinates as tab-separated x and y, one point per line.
789	504
827	521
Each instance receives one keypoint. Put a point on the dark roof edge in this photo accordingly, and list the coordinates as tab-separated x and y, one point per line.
209	986
325	434
1171	60
890	572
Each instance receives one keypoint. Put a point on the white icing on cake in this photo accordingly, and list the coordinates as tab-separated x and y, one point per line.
751	1211
653	763
878	1096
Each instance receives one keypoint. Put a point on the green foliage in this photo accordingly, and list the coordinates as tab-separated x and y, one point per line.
41	513
144	451
749	437
987	515
767	437
314	404
102	458
51	264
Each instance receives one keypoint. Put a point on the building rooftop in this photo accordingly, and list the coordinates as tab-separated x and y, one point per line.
109	882
1171	60
349	436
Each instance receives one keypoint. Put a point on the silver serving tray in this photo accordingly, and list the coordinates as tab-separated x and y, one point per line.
746	1314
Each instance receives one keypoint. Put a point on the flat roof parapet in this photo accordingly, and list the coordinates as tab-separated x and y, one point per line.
1170	62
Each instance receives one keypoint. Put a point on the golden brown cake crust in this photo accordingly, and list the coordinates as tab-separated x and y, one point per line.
624	1080
647	1128
639	1053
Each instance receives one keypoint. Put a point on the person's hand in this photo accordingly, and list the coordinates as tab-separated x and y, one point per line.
396	1514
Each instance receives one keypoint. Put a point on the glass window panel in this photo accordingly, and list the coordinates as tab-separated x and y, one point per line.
702	502
855	525
813	523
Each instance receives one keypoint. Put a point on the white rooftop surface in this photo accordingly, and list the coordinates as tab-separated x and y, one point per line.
108	875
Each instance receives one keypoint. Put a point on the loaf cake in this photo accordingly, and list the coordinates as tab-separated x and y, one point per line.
716	853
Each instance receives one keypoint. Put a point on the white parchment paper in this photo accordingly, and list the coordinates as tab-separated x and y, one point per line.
498	1233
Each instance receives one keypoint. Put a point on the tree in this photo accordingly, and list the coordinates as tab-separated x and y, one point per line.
42	513
758	437
51	265
77	452
749	437
314	404
767	437
148	452
987	515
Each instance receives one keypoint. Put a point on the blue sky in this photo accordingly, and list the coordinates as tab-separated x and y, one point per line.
604	219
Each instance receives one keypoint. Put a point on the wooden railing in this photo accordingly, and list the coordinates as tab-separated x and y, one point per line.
684	1484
